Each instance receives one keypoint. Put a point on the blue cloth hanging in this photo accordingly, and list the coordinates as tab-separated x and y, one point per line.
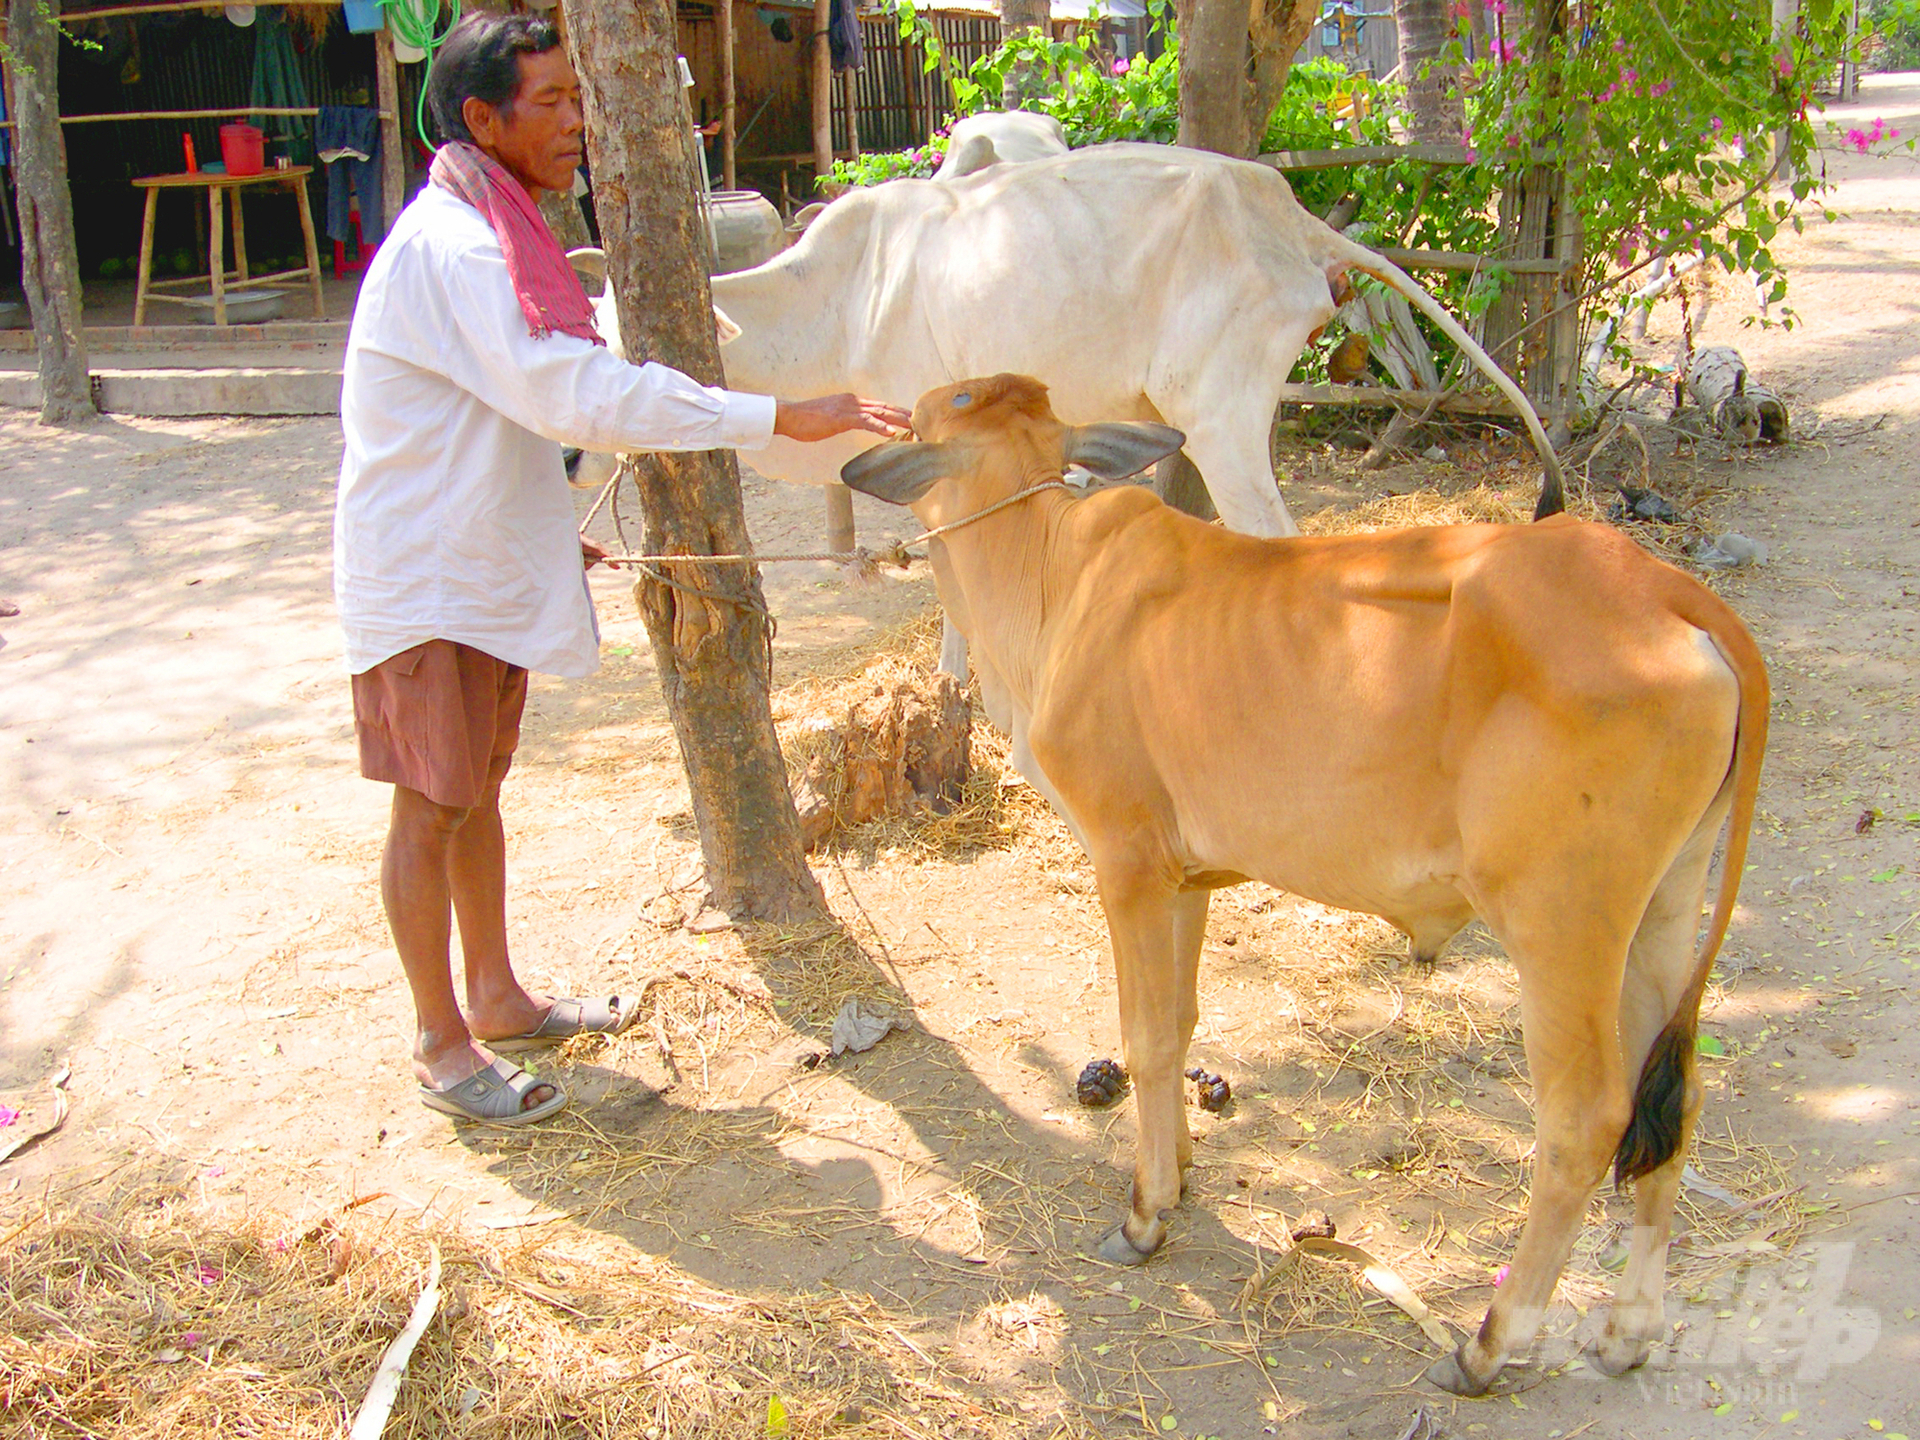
347	138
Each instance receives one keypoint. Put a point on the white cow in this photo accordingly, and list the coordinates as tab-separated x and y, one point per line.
1009	136
1135	280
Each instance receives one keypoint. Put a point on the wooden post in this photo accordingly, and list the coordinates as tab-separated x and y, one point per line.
393	134
729	174
911	78
840	531
822	92
298	185
712	640
49	258
216	254
239	234
847	99
1849	64
143	282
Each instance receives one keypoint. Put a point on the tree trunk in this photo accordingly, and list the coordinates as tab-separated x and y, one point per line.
49	260
713	650
1433	96
1023	81
564	218
1215	98
1277	29
1234	62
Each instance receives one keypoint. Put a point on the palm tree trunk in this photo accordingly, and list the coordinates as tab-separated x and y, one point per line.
1433	96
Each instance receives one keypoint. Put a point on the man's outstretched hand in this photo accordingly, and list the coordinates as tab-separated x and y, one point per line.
832	415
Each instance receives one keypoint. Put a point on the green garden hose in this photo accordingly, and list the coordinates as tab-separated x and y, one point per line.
417	23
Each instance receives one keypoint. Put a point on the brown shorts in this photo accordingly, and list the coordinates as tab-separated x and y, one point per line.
442	718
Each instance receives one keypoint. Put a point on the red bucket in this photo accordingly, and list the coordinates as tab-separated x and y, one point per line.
244	148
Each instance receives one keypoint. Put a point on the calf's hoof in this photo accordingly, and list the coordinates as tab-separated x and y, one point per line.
1450	1375
1615	1353
1117	1249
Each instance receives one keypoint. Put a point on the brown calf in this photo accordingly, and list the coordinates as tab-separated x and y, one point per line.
1539	725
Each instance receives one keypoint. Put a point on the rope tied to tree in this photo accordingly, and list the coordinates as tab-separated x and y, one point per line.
863	561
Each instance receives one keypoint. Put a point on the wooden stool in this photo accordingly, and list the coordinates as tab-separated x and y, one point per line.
294	179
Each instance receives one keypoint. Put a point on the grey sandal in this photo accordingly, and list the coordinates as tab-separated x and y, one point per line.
494	1096
566	1018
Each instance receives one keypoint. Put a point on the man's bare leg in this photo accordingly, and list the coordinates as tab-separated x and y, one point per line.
497	1005
418	888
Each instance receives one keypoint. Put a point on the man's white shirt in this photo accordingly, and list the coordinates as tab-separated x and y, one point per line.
454	519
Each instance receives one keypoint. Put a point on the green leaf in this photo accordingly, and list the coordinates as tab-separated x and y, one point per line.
1708	1045
776	1418
1725	1407
1883	876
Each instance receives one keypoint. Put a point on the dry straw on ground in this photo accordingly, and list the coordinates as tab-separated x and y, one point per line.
133	1314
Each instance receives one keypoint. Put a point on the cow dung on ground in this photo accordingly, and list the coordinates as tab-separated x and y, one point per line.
902	748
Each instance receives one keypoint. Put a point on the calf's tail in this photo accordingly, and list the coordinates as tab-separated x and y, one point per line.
1347	255
1653	1136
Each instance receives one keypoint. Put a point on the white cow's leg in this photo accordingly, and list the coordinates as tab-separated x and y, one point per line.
1141	910
953	651
1238	469
1660	968
1231	445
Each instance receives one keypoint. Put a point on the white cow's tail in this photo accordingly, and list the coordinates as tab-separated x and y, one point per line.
1553	493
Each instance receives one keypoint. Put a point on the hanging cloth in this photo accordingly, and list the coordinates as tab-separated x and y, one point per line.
278	84
843	35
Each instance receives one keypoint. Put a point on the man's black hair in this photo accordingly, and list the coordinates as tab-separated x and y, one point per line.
480	60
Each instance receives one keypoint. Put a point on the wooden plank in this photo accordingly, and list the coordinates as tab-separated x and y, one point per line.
308	110
1343	155
393	155
1467	401
1462	260
163	7
1433	153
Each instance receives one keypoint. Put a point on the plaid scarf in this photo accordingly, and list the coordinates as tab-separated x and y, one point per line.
550	293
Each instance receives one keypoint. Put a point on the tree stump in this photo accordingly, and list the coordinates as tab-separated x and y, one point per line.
903	749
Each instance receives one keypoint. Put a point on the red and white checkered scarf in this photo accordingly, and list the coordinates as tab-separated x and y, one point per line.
550	293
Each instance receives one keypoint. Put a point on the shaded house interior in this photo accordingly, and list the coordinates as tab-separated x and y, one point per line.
179	72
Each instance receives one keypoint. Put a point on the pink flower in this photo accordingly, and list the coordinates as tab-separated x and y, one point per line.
208	1274
7	1116
1783	62
190	1339
1500	1277
1504	49
1661	88
1717	126
1608	93
1496	7
1120	67
1629	75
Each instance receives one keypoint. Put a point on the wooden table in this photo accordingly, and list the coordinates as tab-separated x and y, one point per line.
294	179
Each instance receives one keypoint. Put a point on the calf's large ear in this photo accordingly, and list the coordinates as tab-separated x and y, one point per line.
1117	449
899	471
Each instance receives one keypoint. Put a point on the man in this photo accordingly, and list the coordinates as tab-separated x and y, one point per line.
458	564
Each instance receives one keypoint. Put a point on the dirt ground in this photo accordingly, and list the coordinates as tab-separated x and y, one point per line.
899	1243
